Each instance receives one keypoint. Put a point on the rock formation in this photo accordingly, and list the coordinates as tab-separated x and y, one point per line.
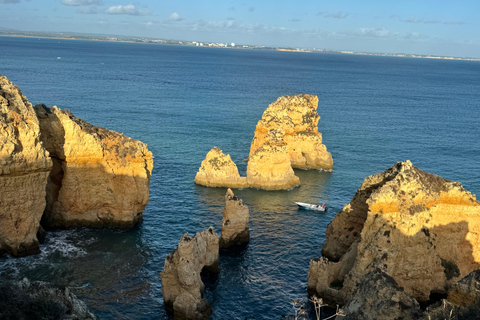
297	115
466	292
269	167
235	222
417	227
24	169
378	296
99	177
182	286
218	170
40	300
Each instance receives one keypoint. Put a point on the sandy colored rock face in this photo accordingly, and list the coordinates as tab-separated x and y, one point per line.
99	178
218	170
297	115
235	222
182	286
417	227
24	169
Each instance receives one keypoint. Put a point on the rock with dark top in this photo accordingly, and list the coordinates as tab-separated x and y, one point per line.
39	300
235	222
182	286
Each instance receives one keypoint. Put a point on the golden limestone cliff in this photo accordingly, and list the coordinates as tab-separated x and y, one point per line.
99	177
297	115
24	169
418	228
269	167
235	222
218	170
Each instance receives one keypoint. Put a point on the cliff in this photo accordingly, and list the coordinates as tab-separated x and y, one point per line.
182	286
418	228
24	169
297	115
218	170
99	177
235	222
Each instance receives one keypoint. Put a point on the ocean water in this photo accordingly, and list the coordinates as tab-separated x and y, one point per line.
182	101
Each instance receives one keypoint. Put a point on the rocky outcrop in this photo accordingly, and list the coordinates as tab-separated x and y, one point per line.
182	286
269	168
378	296
24	169
466	292
218	170
297	115
417	227
40	300
235	222
99	177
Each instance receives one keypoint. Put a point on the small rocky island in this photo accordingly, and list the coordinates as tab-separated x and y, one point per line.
286	137
406	228
235	231
58	171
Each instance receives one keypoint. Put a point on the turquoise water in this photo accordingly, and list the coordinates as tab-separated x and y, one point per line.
182	101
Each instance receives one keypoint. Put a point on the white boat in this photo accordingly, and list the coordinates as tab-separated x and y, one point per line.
307	206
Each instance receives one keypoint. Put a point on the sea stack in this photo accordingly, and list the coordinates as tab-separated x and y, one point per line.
269	167
24	168
297	115
182	286
99	177
218	170
418	228
235	222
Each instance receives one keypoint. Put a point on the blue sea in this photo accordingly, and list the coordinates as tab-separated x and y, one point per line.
182	101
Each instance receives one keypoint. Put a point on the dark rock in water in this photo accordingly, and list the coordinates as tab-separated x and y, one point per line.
40	300
378	296
235	222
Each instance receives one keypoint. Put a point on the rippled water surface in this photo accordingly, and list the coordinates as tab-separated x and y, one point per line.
182	101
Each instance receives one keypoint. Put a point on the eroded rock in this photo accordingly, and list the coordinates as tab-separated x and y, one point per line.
297	115
182	286
378	296
218	170
417	227
235	222
99	177
24	168
40	300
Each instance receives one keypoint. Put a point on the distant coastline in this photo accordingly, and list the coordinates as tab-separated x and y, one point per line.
125	39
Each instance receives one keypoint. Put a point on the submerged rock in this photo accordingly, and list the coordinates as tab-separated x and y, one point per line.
40	300
417	227
218	170
99	177
235	222
182	286
24	168
297	115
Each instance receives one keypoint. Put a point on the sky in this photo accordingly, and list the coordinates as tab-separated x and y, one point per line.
434	27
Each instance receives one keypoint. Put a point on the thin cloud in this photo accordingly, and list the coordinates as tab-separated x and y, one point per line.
251	9
175	17
128	9
415	20
78	3
332	15
294	20
457	23
88	10
375	33
9	1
